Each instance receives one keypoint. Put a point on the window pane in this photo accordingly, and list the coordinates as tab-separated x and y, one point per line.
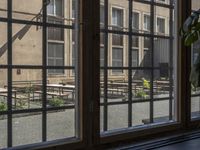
27	11
27	42
25	91
195	92
135	22
50	7
162	21
147	22
3	130
60	124
135	57
117	59
27	128
3	43
3	4
117	17
117	39
59	7
162	52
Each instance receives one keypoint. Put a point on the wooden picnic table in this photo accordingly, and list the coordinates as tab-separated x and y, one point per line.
63	90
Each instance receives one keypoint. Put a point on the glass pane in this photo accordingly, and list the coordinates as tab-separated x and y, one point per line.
140	113
59	7
195	106
162	83
163	1
117	13
162	54
56	34
162	24
3	90
28	11
3	43
27	42
27	128
3	11
141	17
60	89
122	116
161	114
26	91
60	124
3	131
195	92
141	84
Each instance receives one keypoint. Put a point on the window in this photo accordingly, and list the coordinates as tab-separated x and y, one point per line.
101	57
55	57
55	8
73	8
55	49
135	21
131	83
146	25
102	19
160	25
117	59
117	18
135	57
40	105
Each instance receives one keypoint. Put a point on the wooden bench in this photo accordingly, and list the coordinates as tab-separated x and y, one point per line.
53	94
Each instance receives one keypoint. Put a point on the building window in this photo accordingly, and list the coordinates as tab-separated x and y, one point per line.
117	60
55	57
55	37
102	18
160	25
135	22
146	25
117	18
101	56
55	8
135	57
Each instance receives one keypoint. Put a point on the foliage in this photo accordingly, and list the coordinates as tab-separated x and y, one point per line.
190	33
141	93
146	83
56	102
3	106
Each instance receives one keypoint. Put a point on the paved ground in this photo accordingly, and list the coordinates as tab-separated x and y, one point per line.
28	129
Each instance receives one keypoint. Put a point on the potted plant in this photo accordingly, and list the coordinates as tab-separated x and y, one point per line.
190	33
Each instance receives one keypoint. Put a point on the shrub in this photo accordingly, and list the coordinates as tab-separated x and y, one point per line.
140	93
146	83
56	102
3	106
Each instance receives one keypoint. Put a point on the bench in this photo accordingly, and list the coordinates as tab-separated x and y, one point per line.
53	94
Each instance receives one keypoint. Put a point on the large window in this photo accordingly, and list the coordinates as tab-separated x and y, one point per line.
142	77
39	103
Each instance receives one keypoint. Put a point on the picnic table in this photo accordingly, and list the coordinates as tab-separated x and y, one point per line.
59	90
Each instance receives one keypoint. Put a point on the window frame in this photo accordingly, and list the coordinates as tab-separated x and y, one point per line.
92	120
